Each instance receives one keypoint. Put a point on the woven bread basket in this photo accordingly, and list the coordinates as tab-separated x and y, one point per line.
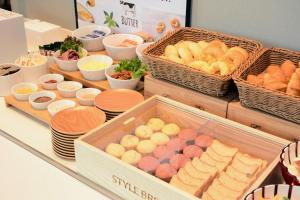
214	85
273	102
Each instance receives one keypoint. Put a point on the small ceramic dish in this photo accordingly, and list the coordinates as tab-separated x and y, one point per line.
68	88
60	105
50	81
40	100
22	91
86	96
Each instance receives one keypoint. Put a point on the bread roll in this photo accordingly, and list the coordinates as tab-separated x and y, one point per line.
176	59
256	80
222	67
171	50
236	57
241	50
185	54
214	50
195	49
288	68
181	44
220	44
203	66
203	44
294	82
276	86
272	69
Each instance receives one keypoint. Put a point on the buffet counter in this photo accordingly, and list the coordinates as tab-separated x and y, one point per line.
30	165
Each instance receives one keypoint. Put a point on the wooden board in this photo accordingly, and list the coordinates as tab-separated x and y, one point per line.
25	106
77	76
263	121
217	106
89	149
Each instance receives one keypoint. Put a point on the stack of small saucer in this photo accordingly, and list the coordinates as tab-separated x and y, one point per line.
117	101
70	124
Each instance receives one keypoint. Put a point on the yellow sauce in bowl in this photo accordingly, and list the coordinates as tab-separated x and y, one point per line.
24	90
94	65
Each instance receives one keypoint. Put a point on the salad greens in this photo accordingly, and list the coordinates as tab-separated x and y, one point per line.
71	43
135	66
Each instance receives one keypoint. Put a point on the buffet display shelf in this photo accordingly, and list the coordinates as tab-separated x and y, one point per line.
35	137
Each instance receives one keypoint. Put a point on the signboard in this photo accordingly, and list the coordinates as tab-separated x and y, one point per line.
155	17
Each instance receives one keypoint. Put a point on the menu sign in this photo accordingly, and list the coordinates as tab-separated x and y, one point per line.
155	17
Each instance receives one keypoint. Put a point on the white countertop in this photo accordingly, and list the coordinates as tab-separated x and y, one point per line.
35	136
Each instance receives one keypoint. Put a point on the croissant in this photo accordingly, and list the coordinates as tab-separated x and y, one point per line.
222	67
220	44
171	50
288	68
185	54
195	49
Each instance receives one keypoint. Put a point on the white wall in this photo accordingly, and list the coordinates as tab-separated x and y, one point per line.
273	22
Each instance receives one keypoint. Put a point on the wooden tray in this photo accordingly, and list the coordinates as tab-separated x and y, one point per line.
25	106
214	105
77	76
89	148
263	121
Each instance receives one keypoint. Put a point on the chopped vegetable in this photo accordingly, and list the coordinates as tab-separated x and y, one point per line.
71	43
135	66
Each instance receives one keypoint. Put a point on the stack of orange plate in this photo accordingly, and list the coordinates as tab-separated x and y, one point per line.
117	101
69	124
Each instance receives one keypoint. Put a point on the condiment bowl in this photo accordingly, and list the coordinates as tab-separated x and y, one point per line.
94	74
46	79
60	105
67	65
140	48
117	83
68	88
23	96
91	44
41	105
82	95
7	81
111	43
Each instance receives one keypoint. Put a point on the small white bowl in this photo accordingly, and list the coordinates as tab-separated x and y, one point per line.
91	44
87	101
67	65
140	48
50	86
8	81
41	106
23	97
111	43
94	75
65	92
120	84
32	73
60	105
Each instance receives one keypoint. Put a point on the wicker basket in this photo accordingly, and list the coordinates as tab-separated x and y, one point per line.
215	85
273	102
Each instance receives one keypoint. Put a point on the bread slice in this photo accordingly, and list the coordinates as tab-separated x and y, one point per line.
233	173
189	180
175	181
249	170
194	172
216	195
218	157
207	159
223	149
249	160
201	166
231	183
234	195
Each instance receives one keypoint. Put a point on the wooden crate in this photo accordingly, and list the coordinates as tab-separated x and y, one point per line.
131	183
214	105
263	121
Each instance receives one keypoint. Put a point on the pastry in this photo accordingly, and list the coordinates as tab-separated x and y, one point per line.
203	66
176	59
203	44
192	171
220	44
160	138
188	135
146	147
241	50
222	67
176	144
232	183
129	141
171	129
235	56
148	164
223	149
163	153
195	49
131	157
143	132
155	124
179	161
176	182
171	50
160	27
204	167
214	50
165	172
203	141
185	54
115	150
189	180
210	161
256	80
192	151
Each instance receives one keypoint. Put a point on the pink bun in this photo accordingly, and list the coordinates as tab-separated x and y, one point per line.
192	151
165	172
148	164
188	134
163	152
203	141
178	161
176	144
